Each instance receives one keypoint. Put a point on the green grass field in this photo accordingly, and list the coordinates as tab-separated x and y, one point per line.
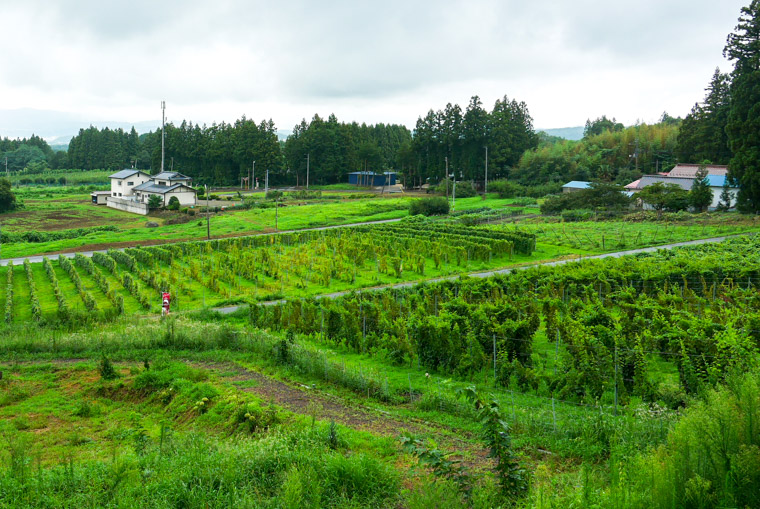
48	212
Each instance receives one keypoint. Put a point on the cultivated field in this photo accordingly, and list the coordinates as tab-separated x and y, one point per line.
336	402
53	211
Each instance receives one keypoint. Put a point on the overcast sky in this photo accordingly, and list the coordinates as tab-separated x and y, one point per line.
388	61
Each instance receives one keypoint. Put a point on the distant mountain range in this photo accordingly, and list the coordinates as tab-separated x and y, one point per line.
569	133
58	127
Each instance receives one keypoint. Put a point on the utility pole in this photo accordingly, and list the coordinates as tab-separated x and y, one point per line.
208	214
454	193
307	169
163	135
6	166
253	175
266	183
446	179
485	188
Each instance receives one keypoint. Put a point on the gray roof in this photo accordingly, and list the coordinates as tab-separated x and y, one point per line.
126	174
578	184
682	182
150	187
171	175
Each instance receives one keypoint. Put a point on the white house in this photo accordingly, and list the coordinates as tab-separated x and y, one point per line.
131	190
123	182
685	183
167	184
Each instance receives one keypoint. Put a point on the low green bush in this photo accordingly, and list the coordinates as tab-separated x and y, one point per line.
38	236
464	188
574	215
437	206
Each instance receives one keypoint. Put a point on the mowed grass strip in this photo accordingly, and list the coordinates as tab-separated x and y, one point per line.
48	302
92	287
22	307
130	303
4	292
68	289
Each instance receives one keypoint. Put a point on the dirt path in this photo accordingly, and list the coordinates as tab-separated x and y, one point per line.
305	401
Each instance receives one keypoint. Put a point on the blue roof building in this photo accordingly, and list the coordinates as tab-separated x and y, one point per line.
575	185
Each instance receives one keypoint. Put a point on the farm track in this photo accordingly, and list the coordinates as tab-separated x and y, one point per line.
158	242
302	400
553	263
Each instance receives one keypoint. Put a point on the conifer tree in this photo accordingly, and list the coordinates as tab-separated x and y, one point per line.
743	129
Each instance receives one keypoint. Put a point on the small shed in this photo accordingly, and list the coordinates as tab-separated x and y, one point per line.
369	178
99	197
575	185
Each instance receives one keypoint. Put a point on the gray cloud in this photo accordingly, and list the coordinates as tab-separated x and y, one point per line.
395	58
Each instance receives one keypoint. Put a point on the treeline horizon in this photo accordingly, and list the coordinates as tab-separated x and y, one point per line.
223	153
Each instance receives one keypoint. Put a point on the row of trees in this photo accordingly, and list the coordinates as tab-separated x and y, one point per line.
107	149
331	149
223	153
460	139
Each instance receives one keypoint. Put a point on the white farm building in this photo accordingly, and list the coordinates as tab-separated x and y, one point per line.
131	190
167	184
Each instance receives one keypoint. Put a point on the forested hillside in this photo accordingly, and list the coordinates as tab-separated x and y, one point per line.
619	155
29	153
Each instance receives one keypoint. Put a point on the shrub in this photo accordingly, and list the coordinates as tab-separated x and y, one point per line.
505	189
464	189
597	196
106	369
437	206
154	201
574	215
173	203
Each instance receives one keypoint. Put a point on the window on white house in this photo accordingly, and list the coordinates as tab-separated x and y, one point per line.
114	194
119	194
119	182
130	183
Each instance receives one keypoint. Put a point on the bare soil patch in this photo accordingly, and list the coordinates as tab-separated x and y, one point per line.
301	400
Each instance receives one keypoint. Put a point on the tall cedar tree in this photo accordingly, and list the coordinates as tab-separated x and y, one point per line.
703	132
461	139
700	194
7	198
743	129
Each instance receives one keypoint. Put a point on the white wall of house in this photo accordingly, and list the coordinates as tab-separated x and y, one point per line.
123	187
185	197
717	191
